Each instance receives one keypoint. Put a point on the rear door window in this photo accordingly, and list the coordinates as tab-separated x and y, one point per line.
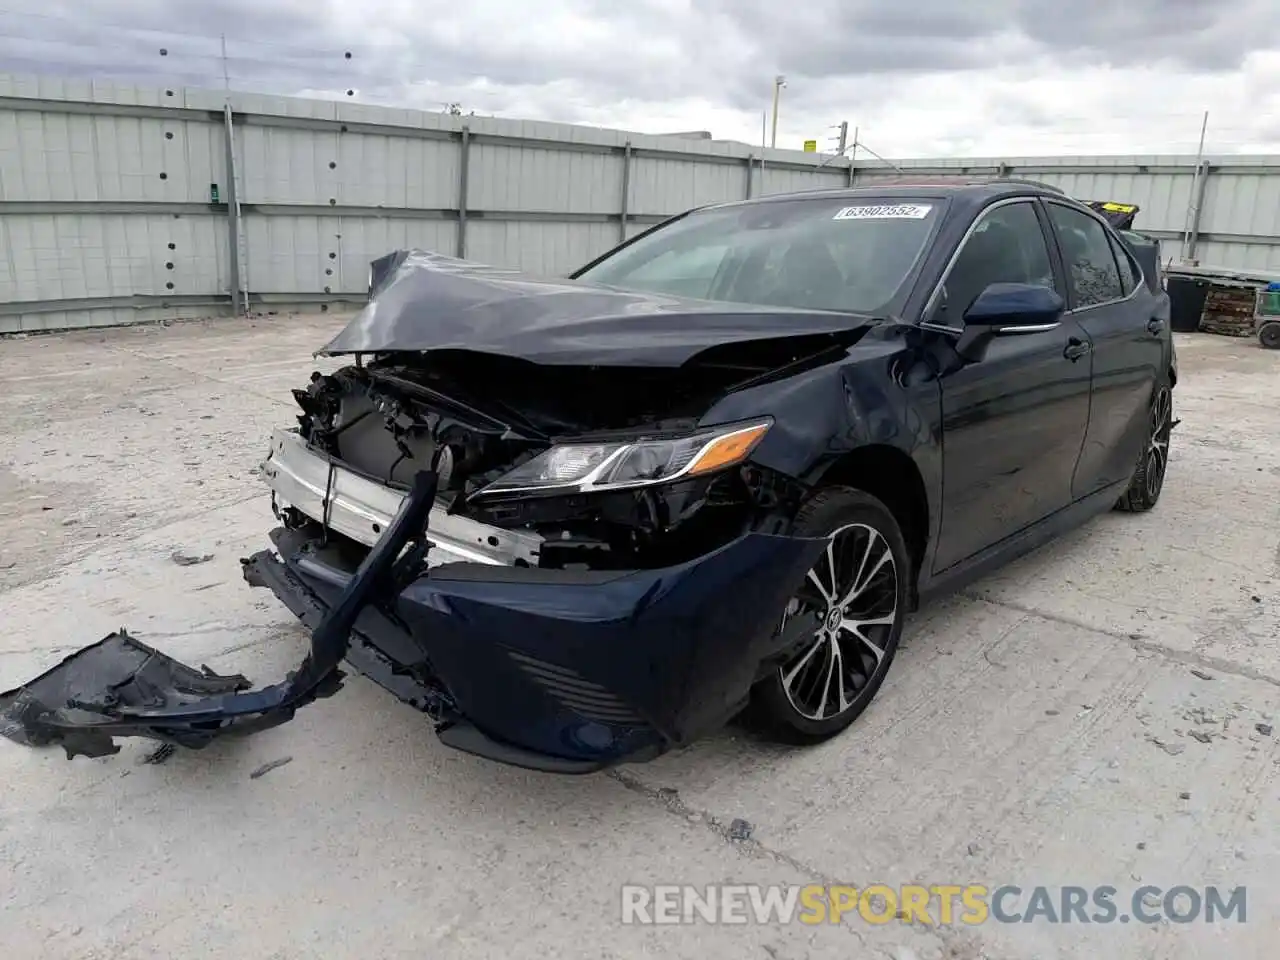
1087	256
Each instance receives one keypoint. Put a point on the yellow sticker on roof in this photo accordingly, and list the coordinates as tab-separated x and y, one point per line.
1119	207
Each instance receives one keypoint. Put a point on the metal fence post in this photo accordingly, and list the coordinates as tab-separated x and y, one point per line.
464	158
1193	234
625	206
238	305
853	158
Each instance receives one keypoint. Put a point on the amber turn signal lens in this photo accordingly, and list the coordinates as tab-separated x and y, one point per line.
727	450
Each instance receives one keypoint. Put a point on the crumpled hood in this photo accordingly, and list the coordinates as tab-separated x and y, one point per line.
434	302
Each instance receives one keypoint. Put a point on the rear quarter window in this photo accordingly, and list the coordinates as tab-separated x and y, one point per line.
1129	270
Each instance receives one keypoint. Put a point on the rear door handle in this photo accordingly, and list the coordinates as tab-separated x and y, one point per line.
1155	325
1076	348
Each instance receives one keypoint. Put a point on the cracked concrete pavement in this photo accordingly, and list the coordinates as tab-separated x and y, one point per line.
1089	715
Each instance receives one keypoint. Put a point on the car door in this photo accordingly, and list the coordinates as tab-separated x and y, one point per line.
1126	327
1012	422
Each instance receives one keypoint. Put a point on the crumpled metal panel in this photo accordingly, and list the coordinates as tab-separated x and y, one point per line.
434	302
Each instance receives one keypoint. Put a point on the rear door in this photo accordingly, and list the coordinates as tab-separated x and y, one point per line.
1012	422
1126	326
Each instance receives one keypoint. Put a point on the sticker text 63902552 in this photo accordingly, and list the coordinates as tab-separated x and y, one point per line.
883	211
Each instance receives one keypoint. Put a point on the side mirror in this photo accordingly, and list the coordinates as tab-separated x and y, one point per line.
1008	309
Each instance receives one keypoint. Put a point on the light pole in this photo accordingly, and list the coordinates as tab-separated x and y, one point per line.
778	83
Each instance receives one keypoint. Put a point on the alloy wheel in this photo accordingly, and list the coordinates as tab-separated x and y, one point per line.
853	591
1158	444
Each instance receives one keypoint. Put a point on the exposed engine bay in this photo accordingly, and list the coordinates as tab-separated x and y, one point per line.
401	413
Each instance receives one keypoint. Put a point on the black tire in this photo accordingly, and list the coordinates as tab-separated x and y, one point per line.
1153	462
1269	335
863	532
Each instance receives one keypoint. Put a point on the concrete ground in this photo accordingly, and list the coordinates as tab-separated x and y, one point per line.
1086	717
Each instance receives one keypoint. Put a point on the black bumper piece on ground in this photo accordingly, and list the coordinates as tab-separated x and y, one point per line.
119	687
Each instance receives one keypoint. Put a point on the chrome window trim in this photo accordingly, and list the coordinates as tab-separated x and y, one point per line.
1037	328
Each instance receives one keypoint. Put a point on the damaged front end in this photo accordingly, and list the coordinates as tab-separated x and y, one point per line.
554	594
557	550
589	594
607	468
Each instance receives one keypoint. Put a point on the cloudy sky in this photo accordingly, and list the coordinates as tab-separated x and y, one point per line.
923	78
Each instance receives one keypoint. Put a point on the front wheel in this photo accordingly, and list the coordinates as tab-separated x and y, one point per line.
1153	463
857	596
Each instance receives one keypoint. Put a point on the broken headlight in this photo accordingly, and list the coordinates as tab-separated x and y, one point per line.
588	467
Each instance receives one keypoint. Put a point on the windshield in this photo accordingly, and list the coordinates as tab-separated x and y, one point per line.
846	255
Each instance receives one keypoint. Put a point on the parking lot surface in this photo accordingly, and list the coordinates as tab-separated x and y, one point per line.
1098	714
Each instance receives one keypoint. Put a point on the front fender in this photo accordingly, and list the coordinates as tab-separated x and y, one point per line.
883	392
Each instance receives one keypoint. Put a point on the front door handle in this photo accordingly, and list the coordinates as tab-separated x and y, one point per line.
1076	348
1155	325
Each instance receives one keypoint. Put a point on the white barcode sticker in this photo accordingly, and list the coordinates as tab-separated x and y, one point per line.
895	211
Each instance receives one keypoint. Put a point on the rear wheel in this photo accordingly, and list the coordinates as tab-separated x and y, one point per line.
1153	463
856	595
1269	335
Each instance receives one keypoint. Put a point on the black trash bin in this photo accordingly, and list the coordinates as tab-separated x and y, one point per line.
1186	302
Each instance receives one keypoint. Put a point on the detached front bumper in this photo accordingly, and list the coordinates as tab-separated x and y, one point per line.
558	670
572	667
565	671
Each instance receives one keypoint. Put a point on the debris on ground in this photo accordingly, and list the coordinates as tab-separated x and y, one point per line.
668	794
1263	728
160	754
268	767
1200	735
975	849
1184	795
1201	674
1173	749
189	559
740	829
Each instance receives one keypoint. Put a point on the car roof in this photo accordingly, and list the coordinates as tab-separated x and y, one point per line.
969	188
